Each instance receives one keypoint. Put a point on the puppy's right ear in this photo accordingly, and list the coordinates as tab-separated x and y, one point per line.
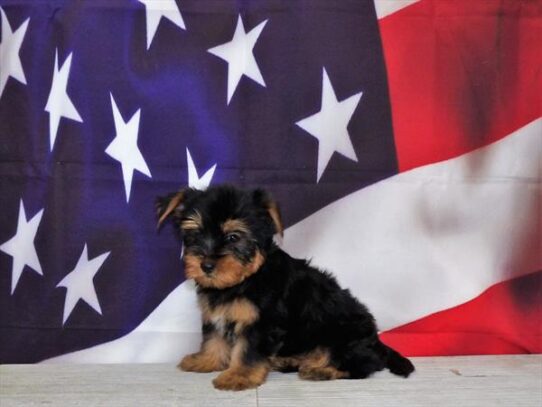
167	204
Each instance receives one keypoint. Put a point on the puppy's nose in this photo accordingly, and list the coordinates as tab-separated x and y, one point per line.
207	266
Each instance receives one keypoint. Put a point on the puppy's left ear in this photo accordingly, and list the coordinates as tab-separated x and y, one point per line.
167	204
262	198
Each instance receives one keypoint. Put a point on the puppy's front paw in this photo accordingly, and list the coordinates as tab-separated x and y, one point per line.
188	363
239	379
199	362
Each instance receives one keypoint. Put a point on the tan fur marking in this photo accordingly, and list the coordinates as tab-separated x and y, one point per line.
315	359
314	365
244	313
213	356
322	373
192	269
240	311
237	353
285	363
228	271
174	203
240	376
235	225
193	222
274	212
205	308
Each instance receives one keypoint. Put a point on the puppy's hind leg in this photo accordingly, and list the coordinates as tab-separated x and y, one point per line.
322	373
317	365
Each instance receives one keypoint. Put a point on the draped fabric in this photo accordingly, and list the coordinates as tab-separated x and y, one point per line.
402	141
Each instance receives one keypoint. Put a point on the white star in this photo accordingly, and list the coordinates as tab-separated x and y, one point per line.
194	181
21	246
10	63
124	148
59	103
79	283
156	9
238	54
329	125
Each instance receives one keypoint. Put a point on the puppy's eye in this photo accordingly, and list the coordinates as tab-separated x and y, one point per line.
232	237
189	239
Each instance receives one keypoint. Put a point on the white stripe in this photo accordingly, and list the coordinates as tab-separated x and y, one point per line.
386	7
171	331
411	245
434	237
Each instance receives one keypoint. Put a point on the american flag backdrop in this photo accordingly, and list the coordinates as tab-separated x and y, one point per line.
401	138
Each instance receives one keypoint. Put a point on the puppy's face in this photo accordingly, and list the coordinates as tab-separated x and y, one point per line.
226	232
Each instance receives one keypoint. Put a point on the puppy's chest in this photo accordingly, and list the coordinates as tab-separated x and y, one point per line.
229	319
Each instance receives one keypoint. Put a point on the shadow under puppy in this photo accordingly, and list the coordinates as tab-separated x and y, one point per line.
261	309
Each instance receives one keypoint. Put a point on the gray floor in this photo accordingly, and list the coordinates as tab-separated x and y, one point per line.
452	381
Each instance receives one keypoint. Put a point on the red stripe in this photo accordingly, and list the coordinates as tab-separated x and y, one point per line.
506	318
461	74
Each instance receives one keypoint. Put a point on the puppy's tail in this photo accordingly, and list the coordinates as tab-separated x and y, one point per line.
397	363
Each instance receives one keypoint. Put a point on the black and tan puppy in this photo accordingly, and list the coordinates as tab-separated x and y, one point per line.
261	309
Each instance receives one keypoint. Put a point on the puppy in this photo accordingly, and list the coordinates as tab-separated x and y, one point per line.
261	309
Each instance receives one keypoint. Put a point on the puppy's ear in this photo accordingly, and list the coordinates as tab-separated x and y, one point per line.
173	203
165	205
262	198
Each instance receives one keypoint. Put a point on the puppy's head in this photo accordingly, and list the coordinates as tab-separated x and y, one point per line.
226	232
